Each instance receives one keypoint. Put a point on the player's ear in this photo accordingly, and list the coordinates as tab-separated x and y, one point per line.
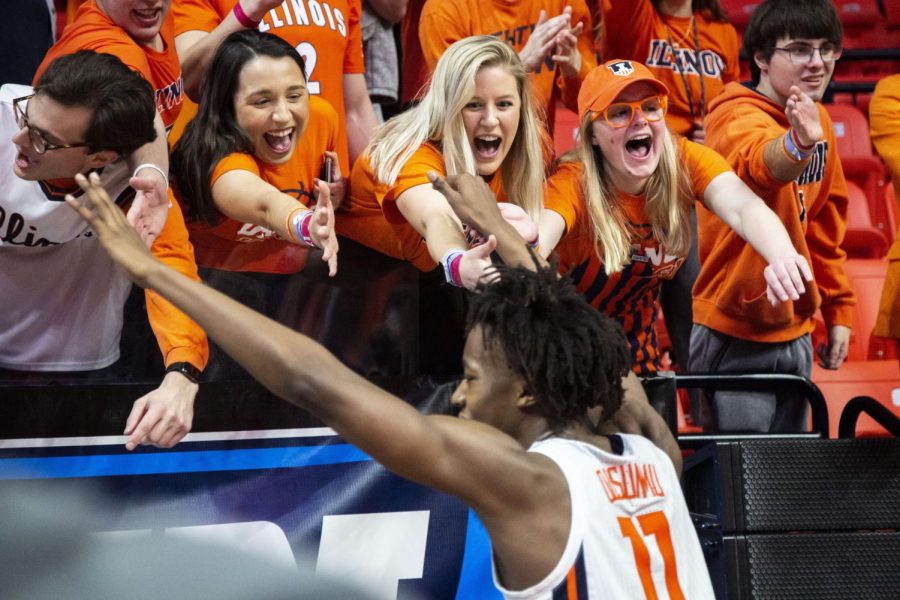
525	399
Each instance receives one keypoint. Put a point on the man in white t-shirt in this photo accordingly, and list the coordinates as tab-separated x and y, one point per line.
569	513
61	310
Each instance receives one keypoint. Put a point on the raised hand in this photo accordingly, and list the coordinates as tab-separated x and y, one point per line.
476	264
803	115
118	237
150	207
336	183
321	228
566	53
543	39
785	278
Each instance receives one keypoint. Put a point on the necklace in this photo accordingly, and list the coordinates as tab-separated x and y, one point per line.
680	68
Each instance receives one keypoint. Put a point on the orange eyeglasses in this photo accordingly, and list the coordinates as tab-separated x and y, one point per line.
619	114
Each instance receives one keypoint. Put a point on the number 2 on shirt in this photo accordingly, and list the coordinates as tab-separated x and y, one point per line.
308	52
655	524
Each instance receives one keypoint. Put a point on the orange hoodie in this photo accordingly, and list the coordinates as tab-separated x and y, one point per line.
730	292
884	123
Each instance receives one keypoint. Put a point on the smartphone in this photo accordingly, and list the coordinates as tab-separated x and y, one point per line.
327	172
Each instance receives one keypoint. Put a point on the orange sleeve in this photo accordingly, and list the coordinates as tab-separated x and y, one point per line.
569	87
741	135
703	164
195	15
414	172
564	196
354	61
826	227
236	161
884	123
180	338
438	28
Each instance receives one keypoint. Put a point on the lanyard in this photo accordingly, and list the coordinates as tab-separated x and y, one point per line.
680	69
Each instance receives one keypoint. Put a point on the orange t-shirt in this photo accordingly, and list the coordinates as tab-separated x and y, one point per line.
633	29
443	22
631	295
326	34
93	30
230	245
371	217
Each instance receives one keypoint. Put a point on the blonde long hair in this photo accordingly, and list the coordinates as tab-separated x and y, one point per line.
438	119
664	194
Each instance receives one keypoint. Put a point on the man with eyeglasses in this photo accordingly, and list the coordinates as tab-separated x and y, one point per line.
62	306
781	142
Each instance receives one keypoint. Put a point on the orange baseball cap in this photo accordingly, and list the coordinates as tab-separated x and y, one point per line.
603	84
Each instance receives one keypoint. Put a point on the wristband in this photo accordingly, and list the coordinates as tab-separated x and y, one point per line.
793	151
450	262
298	225
151	166
796	139
534	243
187	369
242	17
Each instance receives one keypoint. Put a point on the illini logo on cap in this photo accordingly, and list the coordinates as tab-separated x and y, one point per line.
622	68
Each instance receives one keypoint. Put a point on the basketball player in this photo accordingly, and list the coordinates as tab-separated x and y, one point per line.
569	513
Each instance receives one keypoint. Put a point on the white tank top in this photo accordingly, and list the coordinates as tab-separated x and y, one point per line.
631	536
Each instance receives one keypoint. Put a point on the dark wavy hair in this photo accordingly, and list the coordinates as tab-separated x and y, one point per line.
214	132
774	19
571	357
120	99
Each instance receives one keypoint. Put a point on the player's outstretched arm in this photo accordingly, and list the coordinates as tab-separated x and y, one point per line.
446	453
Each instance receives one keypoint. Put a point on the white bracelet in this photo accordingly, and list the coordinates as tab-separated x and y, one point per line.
151	166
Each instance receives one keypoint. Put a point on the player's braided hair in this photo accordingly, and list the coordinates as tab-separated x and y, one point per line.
571	357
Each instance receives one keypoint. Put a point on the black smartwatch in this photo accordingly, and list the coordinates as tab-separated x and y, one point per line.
186	369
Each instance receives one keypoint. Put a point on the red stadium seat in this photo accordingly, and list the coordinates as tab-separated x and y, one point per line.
863	239
857	13
867	279
861	165
879	379
739	11
892	12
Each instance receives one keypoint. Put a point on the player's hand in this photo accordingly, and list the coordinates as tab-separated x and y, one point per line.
476	264
543	39
119	238
470	198
785	277
164	416
803	115
565	53
833	356
321	228
150	207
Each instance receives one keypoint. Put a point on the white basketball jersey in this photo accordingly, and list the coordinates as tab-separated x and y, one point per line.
631	537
